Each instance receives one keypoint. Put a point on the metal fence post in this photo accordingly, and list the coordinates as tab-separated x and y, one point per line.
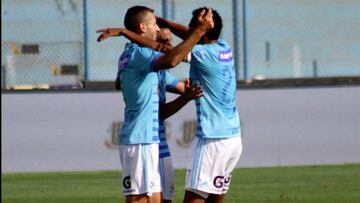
244	39
315	69
165	9
86	58
236	38
172	4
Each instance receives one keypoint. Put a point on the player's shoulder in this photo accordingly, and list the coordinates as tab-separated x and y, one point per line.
138	50
222	43
219	44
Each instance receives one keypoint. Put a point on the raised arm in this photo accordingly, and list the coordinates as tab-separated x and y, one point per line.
178	29
177	54
143	41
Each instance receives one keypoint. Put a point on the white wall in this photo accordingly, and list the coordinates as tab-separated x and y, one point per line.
67	131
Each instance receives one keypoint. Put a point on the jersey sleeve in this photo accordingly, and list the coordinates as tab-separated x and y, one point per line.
199	56
198	53
170	81
145	58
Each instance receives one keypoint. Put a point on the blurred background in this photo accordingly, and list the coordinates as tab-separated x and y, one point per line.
297	65
51	44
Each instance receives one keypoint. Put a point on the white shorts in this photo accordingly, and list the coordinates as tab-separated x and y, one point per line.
140	164
167	178
212	162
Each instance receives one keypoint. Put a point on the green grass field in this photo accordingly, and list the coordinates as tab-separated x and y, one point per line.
317	184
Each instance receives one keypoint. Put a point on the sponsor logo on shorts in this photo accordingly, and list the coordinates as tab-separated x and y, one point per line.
126	183
221	181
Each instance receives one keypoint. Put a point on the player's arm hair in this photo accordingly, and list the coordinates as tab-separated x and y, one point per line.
143	41
177	54
176	28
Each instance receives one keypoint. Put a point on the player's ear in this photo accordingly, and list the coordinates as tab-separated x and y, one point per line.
142	27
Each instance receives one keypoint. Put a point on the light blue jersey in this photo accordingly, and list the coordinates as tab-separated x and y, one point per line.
212	66
139	84
166	82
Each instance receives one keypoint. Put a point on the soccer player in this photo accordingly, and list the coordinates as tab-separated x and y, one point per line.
165	37
219	126
167	109
218	143
167	82
138	66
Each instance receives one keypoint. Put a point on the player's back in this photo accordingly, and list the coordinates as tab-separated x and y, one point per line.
212	66
139	86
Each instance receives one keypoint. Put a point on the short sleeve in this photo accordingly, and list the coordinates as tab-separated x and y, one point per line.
145	58
199	58
170	81
198	54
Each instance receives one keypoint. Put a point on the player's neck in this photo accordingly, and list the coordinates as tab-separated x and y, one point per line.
210	41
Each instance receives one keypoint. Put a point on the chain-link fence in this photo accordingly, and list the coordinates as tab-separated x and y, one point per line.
52	43
42	44
303	38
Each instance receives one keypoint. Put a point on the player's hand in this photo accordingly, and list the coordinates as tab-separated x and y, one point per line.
192	91
109	32
205	20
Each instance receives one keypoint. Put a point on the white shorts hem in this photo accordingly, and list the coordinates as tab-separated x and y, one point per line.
199	192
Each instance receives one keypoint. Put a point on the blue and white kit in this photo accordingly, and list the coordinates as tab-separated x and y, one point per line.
218	132
166	82
139	140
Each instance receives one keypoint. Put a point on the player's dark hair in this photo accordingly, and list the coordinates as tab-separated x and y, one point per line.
134	16
214	33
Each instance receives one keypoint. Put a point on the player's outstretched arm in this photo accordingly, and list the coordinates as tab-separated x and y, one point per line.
143	41
108	32
178	53
176	28
190	92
